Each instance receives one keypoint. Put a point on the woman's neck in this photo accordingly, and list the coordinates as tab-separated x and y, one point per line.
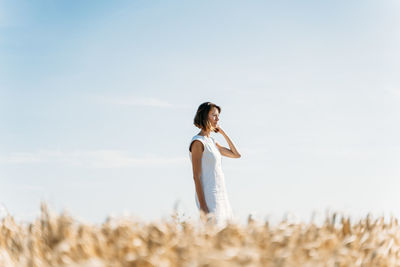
203	133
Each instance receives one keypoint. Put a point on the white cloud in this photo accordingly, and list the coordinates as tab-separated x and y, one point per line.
396	92
89	158
392	90
141	101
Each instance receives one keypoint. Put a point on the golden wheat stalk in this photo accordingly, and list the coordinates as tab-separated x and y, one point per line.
59	240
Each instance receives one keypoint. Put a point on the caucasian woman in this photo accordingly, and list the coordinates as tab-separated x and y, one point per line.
205	154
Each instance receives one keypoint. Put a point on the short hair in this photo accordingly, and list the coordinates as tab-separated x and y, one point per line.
201	119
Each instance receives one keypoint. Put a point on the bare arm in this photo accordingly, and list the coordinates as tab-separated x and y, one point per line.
197	152
230	152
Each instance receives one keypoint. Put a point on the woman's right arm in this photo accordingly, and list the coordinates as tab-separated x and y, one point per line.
197	152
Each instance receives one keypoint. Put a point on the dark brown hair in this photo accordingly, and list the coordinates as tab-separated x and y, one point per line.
201	119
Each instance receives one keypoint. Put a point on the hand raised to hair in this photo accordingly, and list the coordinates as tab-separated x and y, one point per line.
218	129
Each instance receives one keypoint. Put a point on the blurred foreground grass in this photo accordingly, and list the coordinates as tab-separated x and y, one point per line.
60	240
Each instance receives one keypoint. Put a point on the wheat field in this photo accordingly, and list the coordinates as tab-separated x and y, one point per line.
60	240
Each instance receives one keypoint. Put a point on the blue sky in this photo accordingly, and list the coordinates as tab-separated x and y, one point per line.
97	100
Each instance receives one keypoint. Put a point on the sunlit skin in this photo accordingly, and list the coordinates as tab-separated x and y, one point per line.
197	152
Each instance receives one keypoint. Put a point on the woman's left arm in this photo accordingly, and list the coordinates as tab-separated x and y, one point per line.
232	152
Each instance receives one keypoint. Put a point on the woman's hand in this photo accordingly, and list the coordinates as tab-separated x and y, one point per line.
228	152
218	129
205	209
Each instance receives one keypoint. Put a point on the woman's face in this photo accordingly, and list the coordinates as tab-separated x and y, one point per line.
213	116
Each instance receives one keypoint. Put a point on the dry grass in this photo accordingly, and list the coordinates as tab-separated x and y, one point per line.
59	240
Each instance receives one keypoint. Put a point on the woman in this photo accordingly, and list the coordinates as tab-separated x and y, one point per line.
205	153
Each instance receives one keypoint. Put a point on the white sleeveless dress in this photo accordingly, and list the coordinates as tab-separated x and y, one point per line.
213	181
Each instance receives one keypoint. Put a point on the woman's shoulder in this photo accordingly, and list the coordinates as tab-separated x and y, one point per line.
196	137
